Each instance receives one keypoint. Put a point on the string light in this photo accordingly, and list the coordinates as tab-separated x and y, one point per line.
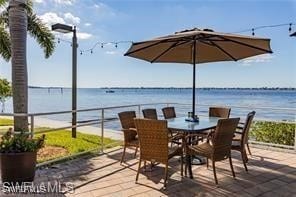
265	27
116	43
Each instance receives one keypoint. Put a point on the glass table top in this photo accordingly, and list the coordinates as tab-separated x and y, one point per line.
204	123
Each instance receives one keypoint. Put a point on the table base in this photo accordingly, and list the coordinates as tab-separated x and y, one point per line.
198	160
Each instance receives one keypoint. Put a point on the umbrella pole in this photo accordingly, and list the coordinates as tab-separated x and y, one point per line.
193	90
193	93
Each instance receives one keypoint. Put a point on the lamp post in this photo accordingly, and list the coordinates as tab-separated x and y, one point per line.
67	29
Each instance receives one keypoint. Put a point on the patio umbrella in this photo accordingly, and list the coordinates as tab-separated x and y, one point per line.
197	46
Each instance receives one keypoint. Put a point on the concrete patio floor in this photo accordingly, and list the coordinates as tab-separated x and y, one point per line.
271	173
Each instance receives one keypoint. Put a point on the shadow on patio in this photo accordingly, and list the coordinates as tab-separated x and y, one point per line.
270	173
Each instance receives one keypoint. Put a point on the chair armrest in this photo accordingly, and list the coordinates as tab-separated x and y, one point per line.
133	129
129	134
240	127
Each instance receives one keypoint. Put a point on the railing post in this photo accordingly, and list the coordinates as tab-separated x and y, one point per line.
32	125
295	139
139	111
102	131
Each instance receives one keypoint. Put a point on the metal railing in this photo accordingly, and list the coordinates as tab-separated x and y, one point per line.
101	120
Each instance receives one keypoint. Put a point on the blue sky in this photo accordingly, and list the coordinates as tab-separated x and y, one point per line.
116	20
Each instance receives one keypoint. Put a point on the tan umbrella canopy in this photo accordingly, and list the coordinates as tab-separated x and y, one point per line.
198	46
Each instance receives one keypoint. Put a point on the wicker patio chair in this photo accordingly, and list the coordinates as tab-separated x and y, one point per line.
150	114
220	148
154	140
168	112
221	112
240	140
129	131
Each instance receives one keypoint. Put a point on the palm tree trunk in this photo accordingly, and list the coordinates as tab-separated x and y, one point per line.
18	34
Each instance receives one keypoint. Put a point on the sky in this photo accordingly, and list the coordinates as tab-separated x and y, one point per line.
131	20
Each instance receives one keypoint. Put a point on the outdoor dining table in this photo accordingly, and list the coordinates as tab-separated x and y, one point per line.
181	125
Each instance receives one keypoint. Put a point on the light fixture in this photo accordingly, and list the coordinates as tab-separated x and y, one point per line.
62	28
67	29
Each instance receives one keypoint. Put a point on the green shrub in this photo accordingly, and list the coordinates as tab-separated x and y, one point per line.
20	142
273	132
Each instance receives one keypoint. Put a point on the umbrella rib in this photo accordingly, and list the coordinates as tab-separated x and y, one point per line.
224	51
151	45
241	43
168	49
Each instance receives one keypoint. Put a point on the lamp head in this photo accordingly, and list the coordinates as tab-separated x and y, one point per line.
62	28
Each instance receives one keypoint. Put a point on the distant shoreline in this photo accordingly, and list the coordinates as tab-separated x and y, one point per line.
169	88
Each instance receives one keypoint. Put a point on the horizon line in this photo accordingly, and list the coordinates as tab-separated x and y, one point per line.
159	87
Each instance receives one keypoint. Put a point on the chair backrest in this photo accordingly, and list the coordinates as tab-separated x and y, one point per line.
169	112
150	114
221	112
127	119
153	139
246	128
222	138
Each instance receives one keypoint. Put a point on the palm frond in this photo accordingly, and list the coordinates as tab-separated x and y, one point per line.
4	19
29	7
42	34
5	44
3	2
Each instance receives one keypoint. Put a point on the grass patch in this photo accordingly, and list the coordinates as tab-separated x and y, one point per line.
63	139
6	122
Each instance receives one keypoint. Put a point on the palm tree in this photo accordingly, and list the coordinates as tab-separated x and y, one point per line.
19	18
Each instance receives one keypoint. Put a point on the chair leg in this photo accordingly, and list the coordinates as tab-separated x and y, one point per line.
231	166
182	165
207	163
249	149
243	153
166	174
246	156
136	152
123	154
137	177
145	165
214	170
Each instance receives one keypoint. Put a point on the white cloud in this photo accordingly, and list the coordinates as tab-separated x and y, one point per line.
80	35
38	1
65	2
51	18
69	18
257	59
111	52
83	35
87	24
103	9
